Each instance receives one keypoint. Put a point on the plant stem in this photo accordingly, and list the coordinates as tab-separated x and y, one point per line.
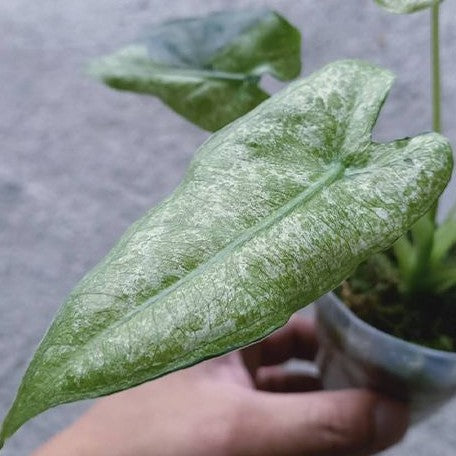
435	61
424	230
435	76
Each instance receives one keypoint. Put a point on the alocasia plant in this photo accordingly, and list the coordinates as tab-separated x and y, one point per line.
276	209
207	69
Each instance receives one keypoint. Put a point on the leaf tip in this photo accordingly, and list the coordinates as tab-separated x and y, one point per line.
405	6
94	69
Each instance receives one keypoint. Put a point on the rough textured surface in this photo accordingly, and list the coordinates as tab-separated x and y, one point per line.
81	162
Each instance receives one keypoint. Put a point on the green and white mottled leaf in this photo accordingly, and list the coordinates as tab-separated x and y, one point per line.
275	210
207	69
406	6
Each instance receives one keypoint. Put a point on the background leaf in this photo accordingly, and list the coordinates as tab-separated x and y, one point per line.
444	237
207	69
405	6
275	210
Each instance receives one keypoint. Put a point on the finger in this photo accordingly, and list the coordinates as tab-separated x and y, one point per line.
337	423
278	380
297	339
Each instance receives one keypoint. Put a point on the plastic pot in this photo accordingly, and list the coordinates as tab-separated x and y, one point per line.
354	354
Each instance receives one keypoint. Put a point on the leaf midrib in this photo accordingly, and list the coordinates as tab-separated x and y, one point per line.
178	71
333	172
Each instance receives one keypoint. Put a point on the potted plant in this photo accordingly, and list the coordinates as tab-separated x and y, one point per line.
406	294
277	208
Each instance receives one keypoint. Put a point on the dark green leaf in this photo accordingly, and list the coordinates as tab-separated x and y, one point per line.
275	210
406	257
444	237
207	69
406	6
423	238
443	278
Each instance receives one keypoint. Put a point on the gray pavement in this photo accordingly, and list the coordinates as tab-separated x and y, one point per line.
80	162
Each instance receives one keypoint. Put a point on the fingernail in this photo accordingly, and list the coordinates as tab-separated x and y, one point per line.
391	420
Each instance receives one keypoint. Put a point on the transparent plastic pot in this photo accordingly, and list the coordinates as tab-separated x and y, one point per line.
354	354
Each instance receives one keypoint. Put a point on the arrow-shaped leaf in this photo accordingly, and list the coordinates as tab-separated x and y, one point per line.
406	6
275	210
207	69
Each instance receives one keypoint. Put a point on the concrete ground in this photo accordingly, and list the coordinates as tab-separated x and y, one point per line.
80	162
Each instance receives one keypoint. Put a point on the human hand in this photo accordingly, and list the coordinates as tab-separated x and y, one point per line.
241	404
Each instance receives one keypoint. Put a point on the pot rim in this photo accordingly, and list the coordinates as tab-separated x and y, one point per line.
361	325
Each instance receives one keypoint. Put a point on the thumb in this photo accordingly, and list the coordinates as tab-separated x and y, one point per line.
336	423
